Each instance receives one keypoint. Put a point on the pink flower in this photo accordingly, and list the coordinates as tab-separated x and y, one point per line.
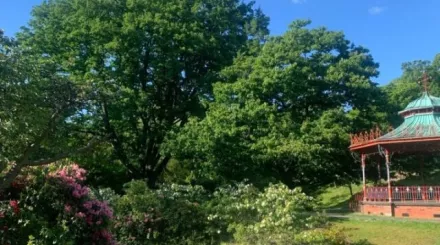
70	174
67	208
14	205
103	235
80	215
89	220
79	191
98	208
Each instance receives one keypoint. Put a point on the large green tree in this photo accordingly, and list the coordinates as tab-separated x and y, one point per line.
36	107
148	63
286	111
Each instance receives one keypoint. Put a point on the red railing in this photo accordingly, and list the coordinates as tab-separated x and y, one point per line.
398	194
376	194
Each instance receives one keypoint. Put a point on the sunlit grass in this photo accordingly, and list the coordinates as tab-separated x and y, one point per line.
391	232
336	197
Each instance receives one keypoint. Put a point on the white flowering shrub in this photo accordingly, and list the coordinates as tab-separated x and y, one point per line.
276	215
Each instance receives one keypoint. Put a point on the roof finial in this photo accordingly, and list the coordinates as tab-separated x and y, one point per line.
425	81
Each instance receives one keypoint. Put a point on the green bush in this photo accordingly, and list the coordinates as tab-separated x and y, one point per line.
273	216
172	214
176	214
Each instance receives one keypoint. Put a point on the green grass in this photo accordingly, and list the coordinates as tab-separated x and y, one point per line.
336	197
381	230
391	232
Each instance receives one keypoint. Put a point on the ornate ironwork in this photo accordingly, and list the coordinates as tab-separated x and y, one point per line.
425	81
365	137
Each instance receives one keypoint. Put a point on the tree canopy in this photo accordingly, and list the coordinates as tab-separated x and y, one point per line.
196	83
285	112
148	64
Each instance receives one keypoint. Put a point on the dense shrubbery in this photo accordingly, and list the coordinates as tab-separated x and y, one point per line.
176	214
56	207
170	215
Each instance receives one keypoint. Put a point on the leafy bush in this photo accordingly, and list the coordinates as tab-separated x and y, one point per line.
175	214
321	237
274	216
171	214
57	208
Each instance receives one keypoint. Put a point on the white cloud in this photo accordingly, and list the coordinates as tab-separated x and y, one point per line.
376	10
299	1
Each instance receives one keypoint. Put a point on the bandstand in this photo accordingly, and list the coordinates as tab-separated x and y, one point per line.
418	134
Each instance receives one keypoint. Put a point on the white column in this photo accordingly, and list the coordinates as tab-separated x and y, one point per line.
387	163
364	187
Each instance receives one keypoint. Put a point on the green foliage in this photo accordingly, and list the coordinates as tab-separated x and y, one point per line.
285	112
147	64
402	91
37	104
409	86
171	214
274	216
190	92
177	214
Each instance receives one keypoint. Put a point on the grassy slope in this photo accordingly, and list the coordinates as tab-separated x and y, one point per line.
336	198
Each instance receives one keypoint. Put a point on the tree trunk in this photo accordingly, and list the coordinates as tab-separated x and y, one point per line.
153	175
350	188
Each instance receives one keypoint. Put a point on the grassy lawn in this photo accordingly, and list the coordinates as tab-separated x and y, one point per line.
380	230
391	232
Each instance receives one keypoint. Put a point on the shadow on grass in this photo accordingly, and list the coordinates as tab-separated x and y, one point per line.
336	220
362	242
338	204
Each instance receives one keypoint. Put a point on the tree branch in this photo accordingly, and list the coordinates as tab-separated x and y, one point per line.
116	141
32	147
90	145
17	166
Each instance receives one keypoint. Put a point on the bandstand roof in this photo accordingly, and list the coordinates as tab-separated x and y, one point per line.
425	101
420	130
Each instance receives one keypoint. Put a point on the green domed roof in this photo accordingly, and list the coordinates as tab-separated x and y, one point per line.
425	101
418	124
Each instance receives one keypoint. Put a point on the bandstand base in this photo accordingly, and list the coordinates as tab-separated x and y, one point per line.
418	210
377	208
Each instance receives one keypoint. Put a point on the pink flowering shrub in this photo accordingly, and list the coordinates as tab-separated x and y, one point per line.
9	215
59	208
91	217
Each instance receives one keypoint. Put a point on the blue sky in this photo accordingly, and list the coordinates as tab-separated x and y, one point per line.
395	31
